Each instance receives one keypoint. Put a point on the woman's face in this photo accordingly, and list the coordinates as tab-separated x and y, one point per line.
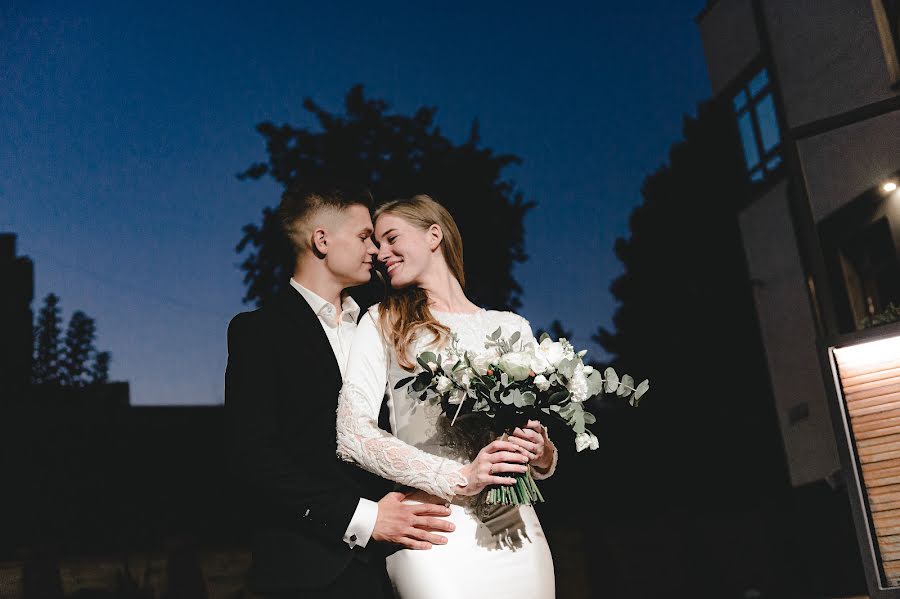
404	249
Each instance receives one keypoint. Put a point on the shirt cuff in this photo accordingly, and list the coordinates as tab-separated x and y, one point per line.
359	531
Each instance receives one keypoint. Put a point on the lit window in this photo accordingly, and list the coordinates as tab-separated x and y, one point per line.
754	108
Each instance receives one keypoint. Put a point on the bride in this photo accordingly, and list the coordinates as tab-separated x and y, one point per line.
496	552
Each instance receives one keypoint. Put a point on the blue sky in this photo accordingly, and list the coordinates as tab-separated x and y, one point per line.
123	129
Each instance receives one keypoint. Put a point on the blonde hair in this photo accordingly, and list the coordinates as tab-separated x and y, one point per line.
404	313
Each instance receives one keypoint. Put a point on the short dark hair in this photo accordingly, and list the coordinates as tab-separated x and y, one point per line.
300	203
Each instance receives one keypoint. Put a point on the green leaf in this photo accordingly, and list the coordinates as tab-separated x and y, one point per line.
641	389
567	367
544	336
515	337
529	398
422	381
625	385
594	383
589	418
559	396
403	382
496	334
612	380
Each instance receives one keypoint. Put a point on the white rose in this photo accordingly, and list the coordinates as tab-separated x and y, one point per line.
578	385
483	361
586	440
539	364
541	382
516	364
443	383
552	350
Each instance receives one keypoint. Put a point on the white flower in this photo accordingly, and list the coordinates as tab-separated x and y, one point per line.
483	361
586	440
539	363
516	364
443	383
552	350
541	382
578	385
588	369
432	366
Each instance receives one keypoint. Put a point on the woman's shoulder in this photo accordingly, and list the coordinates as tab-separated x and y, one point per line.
508	318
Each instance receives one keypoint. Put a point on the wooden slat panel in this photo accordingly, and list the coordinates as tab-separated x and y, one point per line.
849	384
873	393
870	384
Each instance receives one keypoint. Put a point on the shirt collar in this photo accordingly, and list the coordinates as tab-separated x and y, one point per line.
324	309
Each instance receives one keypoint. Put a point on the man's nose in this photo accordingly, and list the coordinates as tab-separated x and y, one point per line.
370	248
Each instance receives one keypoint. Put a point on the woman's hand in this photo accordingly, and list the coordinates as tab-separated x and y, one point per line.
533	442
499	457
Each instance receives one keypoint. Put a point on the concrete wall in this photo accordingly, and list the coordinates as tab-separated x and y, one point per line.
729	40
829	56
843	163
788	329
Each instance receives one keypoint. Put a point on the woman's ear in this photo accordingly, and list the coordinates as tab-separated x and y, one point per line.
435	236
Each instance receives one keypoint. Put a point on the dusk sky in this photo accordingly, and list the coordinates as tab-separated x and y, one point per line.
123	127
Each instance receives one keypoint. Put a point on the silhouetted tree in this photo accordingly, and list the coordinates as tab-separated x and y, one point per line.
687	320
100	370
78	349
45	369
74	361
394	156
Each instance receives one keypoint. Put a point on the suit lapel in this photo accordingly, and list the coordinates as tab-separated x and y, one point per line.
292	305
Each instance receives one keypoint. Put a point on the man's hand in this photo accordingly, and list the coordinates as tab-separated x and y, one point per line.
410	525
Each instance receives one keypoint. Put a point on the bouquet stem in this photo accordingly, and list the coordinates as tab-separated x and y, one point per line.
524	492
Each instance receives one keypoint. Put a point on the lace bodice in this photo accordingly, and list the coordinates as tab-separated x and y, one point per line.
418	454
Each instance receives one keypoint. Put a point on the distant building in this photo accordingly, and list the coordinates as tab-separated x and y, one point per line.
17	277
815	91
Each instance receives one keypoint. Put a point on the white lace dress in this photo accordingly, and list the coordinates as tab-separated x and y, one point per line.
500	554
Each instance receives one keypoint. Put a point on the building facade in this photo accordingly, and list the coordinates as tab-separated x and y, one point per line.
814	86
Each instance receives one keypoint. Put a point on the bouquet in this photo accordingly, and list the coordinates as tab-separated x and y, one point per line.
512	382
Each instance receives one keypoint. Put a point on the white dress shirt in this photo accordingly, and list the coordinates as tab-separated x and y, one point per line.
340	331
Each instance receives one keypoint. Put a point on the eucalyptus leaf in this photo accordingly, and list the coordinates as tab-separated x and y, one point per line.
625	385
612	380
567	367
543	336
594	383
559	396
589	418
403	382
641	389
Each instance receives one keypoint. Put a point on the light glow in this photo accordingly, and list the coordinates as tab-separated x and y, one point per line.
889	187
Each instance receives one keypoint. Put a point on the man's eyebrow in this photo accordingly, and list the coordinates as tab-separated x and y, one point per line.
368	231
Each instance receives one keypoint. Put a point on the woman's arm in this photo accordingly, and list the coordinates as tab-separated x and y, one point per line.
358	436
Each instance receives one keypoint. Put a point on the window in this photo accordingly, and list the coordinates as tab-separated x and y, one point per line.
757	121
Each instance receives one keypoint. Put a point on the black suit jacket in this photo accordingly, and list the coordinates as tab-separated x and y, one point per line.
281	389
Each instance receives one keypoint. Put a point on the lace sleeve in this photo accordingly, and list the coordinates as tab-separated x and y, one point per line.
360	440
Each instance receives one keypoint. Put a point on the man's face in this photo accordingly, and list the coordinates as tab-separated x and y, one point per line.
350	247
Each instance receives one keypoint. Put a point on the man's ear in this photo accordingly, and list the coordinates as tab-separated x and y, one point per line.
320	242
435	236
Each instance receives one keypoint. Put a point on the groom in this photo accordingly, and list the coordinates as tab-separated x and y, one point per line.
317	522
